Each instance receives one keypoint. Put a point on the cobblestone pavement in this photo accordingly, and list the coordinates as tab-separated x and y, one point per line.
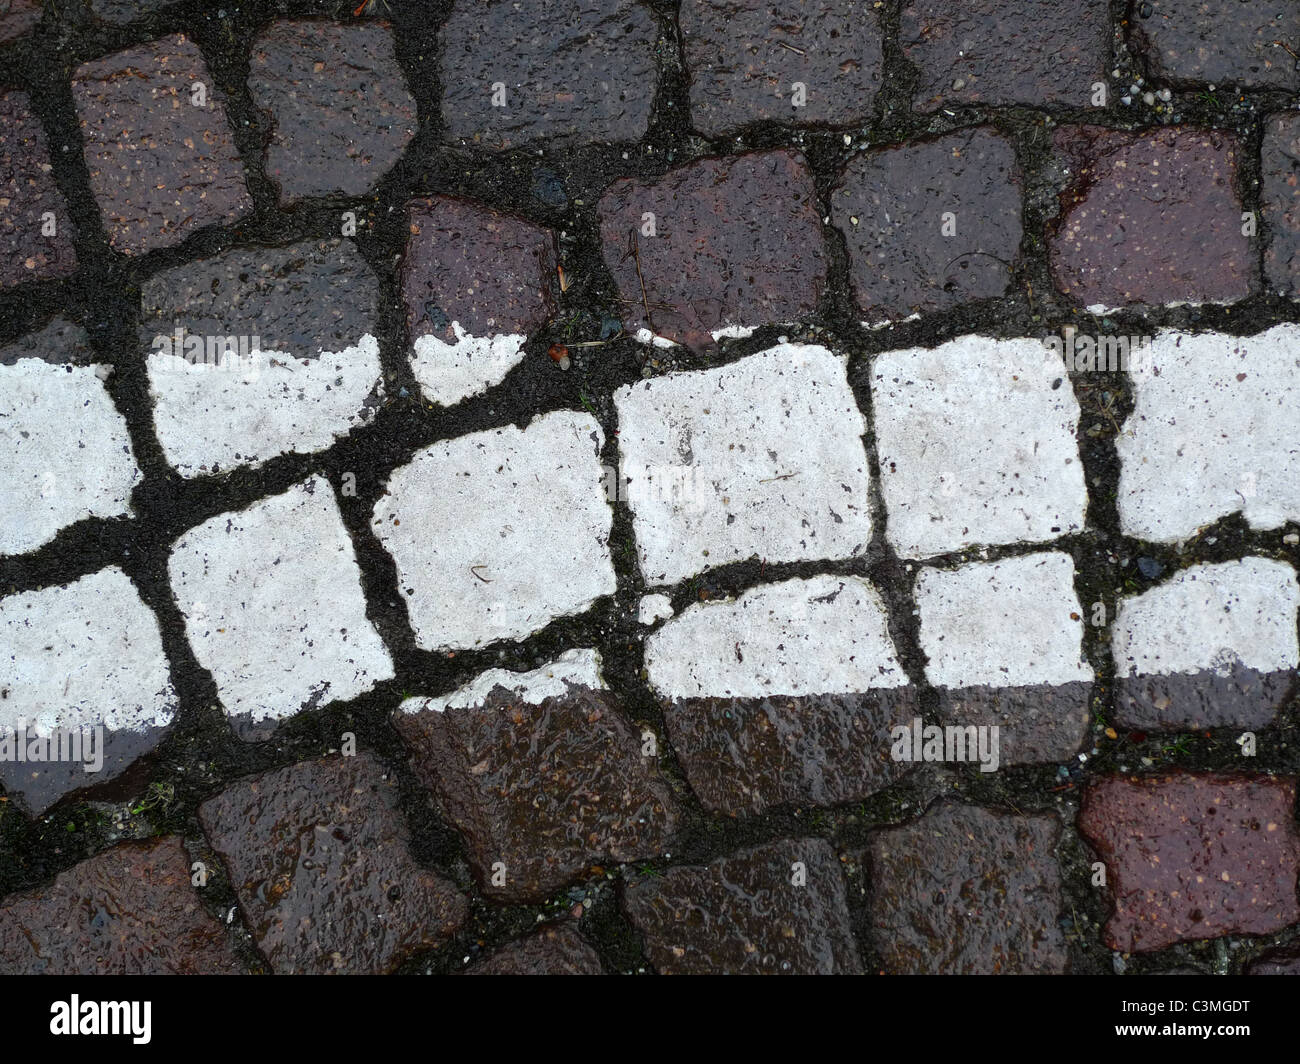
649	486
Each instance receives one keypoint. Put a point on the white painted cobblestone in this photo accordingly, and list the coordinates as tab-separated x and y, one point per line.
1012	623
654	608
976	440
579	668
212	416
825	635
85	654
273	607
65	451
448	373
498	533
1209	616
1213	432
760	458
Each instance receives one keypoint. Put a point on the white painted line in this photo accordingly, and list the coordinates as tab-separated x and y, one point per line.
581	668
448	373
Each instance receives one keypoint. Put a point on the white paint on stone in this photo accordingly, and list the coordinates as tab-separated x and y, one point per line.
245	411
654	608
498	533
976	446
273	606
1209	616
1013	623
448	373
66	452
824	635
726	332
81	655
579	668
1213	432
760	458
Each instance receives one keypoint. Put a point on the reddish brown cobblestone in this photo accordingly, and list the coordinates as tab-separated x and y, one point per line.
572	71
127	911
995	52
29	200
1222	42
337	105
541	792
737	241
160	165
552	951
779	909
1151	218
1280	199
1194	855
781	60
17	18
965	890
318	856
930	226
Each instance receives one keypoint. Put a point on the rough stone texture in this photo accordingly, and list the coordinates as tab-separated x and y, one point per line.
65	448
573	71
498	533
1150	218
121	12
60	343
1037	723
738	243
160	167
547	788
281	628
336	103
999	52
127	911
1243	44
784	696
964	890
967	480
77	657
476	283
743	914
1279	197
1208	435
1214	646
303	366
762	457
27	193
1194	855
17	17
1276	962
744	59
319	858
557	950
891	205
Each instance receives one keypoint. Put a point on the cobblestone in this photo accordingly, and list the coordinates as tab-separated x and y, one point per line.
161	163
35	230
319	858
1280	202
18	18
557	950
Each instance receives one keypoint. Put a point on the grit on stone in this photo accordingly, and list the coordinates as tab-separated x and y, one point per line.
476	283
35	230
737	243
1004	642
997	462
760	458
1279	198
338	108
1193	41
571	71
997	52
127	911
786	695
779	909
498	533
559	950
1212	433
319	857
161	163
932	225
1194	855
1216	645
65	449
542	775
968	891
780	60
273	607
1150	217
80	657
